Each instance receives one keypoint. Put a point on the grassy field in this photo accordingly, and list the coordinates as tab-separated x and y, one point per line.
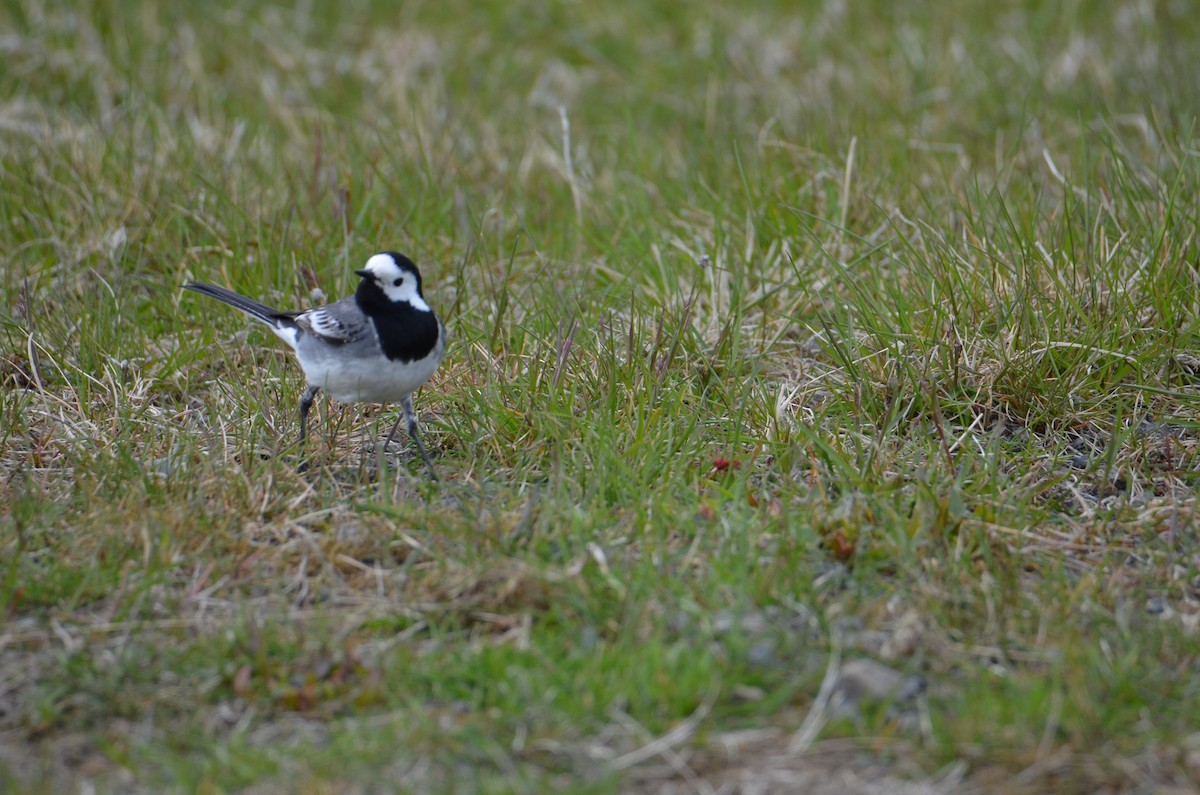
783	339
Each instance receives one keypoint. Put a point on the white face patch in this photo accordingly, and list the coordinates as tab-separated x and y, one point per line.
397	283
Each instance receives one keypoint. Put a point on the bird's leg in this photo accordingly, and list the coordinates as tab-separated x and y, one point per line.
392	432
306	402
310	394
410	417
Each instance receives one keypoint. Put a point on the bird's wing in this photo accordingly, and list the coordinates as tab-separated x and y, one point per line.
336	324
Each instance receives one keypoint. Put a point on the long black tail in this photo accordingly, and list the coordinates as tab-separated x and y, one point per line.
260	312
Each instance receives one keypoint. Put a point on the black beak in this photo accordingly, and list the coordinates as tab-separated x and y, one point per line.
364	273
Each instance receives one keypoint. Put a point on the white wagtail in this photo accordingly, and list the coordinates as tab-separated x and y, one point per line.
377	346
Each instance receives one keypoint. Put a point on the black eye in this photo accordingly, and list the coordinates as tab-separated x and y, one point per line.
399	281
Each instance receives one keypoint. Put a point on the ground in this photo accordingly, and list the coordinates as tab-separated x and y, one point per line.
820	412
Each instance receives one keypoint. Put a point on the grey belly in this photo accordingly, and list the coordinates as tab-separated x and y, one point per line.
373	380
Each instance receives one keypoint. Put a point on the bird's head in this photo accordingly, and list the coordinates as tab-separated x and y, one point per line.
395	276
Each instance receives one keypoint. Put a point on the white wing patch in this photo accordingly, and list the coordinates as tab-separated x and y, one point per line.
325	326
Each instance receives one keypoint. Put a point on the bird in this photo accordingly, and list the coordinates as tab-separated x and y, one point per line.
377	346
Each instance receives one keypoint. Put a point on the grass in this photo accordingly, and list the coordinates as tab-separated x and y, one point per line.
780	338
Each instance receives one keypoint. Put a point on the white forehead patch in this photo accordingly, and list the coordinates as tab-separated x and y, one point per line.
397	283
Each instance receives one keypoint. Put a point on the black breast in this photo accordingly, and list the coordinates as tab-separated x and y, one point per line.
406	334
